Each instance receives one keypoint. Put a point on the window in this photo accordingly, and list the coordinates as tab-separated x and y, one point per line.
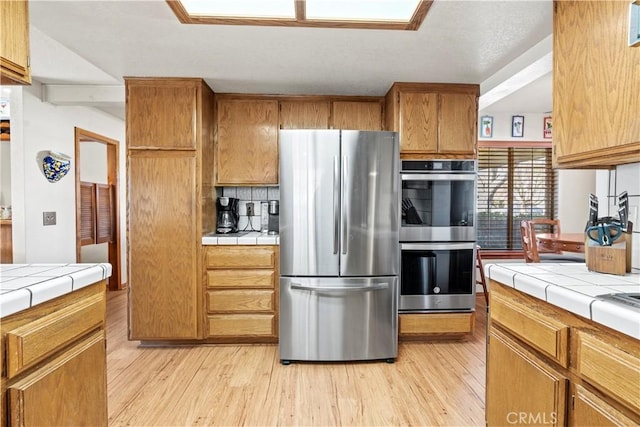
514	183
364	14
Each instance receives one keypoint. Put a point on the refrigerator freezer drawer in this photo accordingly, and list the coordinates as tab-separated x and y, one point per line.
338	319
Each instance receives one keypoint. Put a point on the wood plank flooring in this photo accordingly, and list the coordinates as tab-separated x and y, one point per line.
431	384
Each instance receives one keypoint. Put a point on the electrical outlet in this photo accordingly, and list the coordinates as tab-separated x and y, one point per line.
250	209
48	218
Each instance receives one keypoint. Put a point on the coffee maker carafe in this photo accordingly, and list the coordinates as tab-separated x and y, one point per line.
227	215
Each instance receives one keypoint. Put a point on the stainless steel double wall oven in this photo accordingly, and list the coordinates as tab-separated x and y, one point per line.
438	235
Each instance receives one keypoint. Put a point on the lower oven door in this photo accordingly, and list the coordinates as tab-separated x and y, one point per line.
437	276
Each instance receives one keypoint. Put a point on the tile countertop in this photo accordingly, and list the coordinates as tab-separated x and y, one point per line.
574	288
25	285
242	238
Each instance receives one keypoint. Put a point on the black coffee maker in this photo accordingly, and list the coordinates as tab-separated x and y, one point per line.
227	215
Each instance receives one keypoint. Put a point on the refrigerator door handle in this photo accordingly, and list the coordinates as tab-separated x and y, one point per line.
375	287
336	205
345	208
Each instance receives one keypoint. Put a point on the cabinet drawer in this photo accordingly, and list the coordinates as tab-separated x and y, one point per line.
28	344
543	332
610	368
240	257
241	279
436	323
226	325
240	301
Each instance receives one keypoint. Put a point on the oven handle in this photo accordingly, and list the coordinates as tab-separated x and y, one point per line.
438	177
436	246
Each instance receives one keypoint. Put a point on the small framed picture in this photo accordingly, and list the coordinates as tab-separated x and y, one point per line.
486	126
546	127
517	126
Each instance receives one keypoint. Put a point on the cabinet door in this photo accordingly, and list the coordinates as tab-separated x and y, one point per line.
304	114
532	393
418	122
161	114
590	410
247	145
164	297
14	43
457	124
595	85
356	115
69	390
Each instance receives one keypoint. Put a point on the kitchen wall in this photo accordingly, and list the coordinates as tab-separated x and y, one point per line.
256	195
609	184
5	173
36	126
533	127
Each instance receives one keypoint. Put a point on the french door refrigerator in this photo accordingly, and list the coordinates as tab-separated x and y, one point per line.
339	245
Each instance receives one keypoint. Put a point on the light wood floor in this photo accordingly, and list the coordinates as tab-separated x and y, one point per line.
431	384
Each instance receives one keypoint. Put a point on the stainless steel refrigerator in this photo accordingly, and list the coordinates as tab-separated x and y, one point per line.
339	245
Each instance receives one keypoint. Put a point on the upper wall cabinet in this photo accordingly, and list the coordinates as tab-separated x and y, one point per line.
164	114
14	43
596	82
357	115
304	114
434	120
247	141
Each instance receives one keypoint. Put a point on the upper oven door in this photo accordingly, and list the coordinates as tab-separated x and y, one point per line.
438	207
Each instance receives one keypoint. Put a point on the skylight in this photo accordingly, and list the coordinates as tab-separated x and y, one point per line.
367	14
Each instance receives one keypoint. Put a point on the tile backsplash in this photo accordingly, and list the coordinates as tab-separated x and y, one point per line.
255	195
609	185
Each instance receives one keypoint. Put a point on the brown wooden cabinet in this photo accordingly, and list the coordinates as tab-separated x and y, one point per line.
247	141
14	43
170	206
595	85
532	392
304	114
241	293
357	115
6	241
420	326
547	366
54	361
434	120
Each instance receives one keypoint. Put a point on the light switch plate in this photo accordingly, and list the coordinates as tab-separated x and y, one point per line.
48	218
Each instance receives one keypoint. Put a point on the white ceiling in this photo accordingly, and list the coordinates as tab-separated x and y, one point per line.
98	42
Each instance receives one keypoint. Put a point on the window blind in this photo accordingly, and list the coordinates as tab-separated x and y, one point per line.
514	183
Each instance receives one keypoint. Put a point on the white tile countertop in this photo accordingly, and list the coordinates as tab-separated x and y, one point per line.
574	288
25	285
241	238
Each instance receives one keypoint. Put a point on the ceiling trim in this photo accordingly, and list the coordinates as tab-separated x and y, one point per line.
528	67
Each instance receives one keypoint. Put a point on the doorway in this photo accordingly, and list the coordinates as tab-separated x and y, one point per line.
105	203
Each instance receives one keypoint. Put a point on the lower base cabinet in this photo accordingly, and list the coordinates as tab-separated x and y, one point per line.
66	391
509	383
54	362
418	326
546	366
241	293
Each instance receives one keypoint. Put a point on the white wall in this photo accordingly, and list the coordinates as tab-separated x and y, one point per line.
5	173
574	186
533	126
42	126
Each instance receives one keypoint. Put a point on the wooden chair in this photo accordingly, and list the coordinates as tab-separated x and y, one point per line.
481	280
534	253
545	226
529	249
